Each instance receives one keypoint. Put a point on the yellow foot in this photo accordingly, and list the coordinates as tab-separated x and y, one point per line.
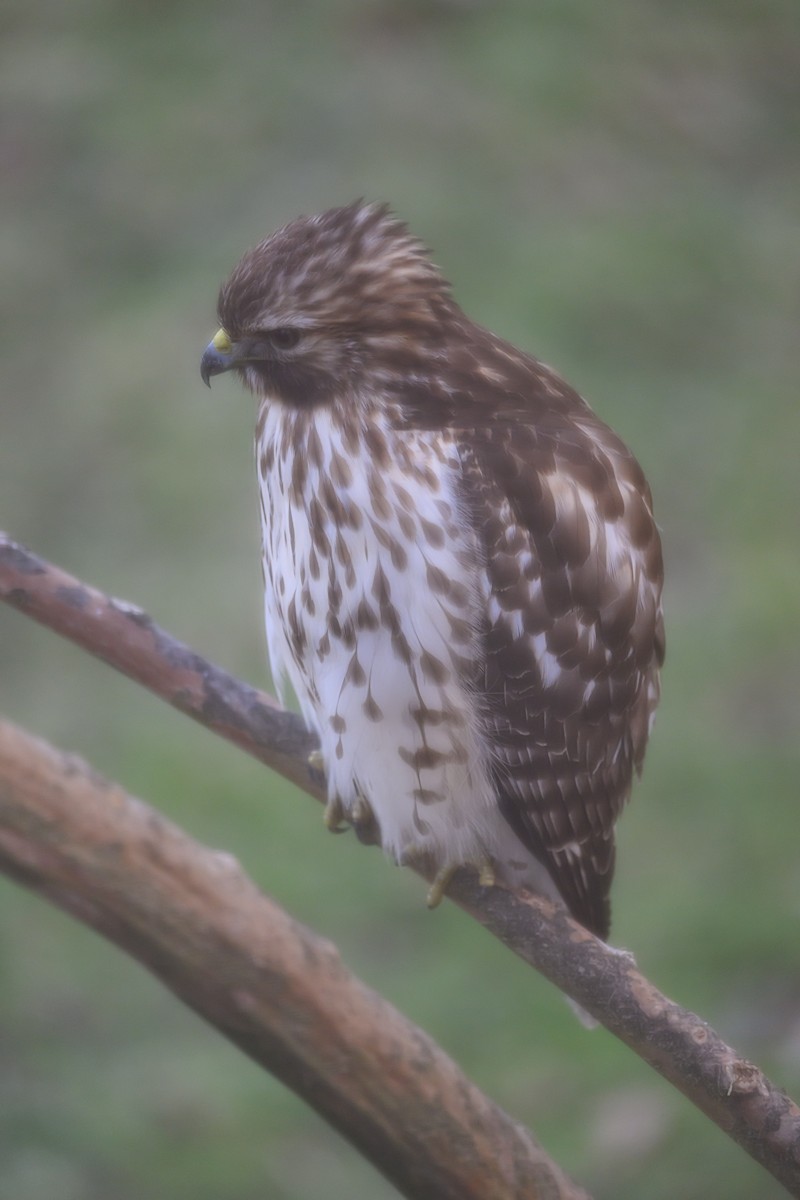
443	877
316	762
364	822
441	882
334	816
486	875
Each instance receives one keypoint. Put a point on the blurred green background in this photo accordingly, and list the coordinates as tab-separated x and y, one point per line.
613	186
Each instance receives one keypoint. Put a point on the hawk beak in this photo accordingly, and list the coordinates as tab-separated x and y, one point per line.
218	356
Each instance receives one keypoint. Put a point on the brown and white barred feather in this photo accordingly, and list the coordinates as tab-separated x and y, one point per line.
463	575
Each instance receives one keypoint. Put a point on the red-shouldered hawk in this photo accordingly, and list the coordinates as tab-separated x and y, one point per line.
463	574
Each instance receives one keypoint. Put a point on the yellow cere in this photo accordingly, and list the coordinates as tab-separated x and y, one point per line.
221	341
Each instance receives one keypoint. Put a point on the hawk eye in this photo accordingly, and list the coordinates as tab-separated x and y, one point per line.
284	338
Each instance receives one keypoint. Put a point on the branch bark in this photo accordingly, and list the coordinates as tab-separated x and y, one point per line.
270	985
733	1092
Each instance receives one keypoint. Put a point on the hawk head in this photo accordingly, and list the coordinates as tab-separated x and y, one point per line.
318	306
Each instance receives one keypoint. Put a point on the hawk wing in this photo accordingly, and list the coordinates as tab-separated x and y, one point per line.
573	634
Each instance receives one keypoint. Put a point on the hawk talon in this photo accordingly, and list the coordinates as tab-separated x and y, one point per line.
444	876
334	816
316	761
486	873
441	882
361	812
362	818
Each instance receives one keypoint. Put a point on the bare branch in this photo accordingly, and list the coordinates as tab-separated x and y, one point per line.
269	984
685	1050
125	637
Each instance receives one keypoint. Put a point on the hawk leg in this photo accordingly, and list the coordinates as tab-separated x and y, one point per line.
444	875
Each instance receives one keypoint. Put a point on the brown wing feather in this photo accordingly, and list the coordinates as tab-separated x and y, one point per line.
573	636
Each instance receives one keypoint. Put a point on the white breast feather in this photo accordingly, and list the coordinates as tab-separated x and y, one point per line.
422	763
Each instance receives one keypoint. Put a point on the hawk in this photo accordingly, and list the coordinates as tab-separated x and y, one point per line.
462	571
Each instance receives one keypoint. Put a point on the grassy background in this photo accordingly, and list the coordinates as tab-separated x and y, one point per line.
612	186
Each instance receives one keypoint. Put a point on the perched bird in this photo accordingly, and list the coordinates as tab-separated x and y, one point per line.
462	571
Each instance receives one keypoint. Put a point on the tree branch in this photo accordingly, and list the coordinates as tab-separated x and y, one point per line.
270	985
685	1050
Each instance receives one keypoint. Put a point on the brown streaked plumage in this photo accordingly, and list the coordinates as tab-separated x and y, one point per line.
463	575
